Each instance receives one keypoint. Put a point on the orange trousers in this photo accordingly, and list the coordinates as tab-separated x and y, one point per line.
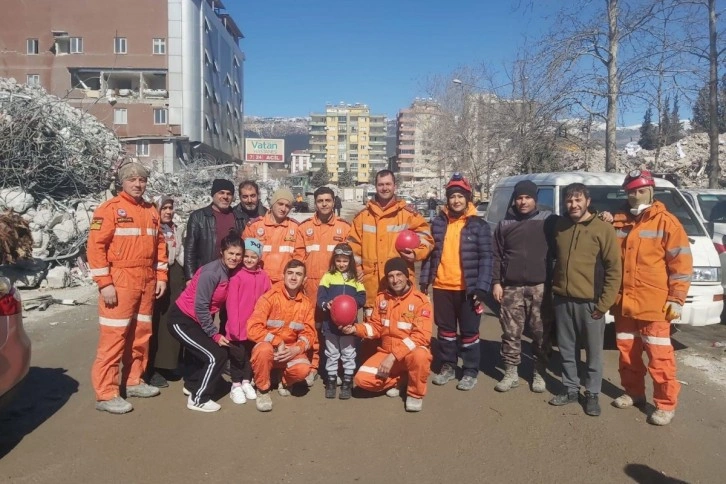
633	336
125	330
263	363
311	291
417	365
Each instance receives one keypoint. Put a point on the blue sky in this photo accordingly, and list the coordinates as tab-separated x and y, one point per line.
304	54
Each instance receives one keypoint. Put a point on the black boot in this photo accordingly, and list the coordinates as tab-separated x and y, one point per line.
346	389
330	387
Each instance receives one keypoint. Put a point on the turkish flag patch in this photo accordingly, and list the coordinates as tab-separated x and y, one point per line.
425	313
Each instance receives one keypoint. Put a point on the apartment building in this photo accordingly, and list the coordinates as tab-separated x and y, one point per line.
300	161
416	157
166	76
348	138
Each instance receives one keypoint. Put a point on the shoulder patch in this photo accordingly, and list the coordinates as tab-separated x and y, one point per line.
96	223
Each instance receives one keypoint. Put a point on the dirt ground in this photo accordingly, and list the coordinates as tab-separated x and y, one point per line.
51	432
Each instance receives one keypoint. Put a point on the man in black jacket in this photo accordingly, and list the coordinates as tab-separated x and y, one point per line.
249	201
522	258
207	226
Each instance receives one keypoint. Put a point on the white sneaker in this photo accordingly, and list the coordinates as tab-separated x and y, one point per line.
310	379
264	402
249	392
238	395
208	406
414	404
185	391
393	392
282	390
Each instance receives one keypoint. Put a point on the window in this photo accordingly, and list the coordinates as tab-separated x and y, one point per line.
159	46
76	45
207	124
31	47
142	147
32	80
120	116
119	45
159	116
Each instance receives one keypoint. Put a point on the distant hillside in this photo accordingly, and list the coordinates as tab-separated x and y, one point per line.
293	130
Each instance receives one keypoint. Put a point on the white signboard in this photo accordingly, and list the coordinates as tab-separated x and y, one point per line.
260	150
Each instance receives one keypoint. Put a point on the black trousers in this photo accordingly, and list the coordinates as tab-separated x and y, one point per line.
454	310
211	357
240	368
164	348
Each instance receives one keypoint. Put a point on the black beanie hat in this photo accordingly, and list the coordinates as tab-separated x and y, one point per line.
221	184
525	187
396	264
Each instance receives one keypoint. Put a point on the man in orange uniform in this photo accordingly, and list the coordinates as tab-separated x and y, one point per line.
277	232
657	268
402	318
128	260
282	325
316	239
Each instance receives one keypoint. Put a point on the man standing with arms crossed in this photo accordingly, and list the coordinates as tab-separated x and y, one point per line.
128	260
316	239
586	280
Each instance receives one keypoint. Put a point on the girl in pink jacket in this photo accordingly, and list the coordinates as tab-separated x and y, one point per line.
245	288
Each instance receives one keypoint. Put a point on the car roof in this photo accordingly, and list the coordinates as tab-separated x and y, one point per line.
567	177
714	191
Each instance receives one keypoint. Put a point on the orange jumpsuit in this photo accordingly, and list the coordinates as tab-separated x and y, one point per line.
277	318
315	243
404	326
657	268
278	243
126	249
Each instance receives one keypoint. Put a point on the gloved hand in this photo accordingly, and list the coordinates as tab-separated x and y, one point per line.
672	310
480	295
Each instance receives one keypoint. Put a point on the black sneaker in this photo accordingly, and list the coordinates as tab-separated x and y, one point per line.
564	398
330	388
158	381
592	406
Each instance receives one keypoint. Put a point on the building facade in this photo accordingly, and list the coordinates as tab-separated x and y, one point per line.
416	157
300	161
165	76
348	138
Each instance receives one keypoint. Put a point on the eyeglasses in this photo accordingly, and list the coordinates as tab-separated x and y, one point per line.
342	252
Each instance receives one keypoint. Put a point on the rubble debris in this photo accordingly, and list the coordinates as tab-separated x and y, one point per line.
57	278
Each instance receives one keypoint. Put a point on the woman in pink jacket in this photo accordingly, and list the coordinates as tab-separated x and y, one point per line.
245	288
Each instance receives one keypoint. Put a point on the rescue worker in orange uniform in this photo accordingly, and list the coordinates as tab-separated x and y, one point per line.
127	256
657	268
277	232
402	319
316	239
283	329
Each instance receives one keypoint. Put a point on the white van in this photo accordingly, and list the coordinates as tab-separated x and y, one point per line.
704	302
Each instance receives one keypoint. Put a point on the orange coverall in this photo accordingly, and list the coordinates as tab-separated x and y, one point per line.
126	249
277	318
657	268
373	239
278	243
404	326
315	243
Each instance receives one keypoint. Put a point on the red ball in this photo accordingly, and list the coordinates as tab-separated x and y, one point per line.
408	239
343	310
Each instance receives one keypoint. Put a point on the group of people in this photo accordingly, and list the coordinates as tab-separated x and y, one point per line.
270	282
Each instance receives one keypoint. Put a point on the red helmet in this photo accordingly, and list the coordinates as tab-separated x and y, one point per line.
458	180
638	179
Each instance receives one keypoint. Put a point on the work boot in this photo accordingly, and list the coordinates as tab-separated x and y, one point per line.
346	390
564	398
466	383
510	380
142	390
661	417
538	382
592	406
626	401
263	401
116	405
158	381
312	376
446	374
331	387
414	404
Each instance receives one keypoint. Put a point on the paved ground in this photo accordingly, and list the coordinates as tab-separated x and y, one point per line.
51	433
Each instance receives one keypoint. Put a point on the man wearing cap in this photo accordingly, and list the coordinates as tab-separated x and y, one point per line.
207	227
249	201
402	319
128	260
657	268
316	240
522	249
278	234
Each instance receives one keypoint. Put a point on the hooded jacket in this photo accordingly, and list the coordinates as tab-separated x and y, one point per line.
245	288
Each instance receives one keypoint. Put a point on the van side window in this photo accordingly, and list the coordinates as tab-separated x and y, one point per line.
499	204
546	199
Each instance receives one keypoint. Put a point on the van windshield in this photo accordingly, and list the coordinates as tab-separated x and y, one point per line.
613	199
713	206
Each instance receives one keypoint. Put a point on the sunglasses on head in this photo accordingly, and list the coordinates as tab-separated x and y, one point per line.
343	252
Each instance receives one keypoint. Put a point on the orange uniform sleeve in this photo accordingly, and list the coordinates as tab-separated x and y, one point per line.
299	252
355	237
373	329
248	232
679	262
100	236
420	334
257	323
307	336
419	225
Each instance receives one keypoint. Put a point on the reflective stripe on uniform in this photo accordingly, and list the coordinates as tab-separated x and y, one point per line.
409	343
679	277
266	248
396	228
311	248
676	251
626	335
369	330
144	318
369	228
269	337
275	323
358	259
103	271
404	325
153	232
119	323
656	340
651	234
127	231
287	248
331	248
305	340
369	369
297	326
386	322
621	233
298	361
162	266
